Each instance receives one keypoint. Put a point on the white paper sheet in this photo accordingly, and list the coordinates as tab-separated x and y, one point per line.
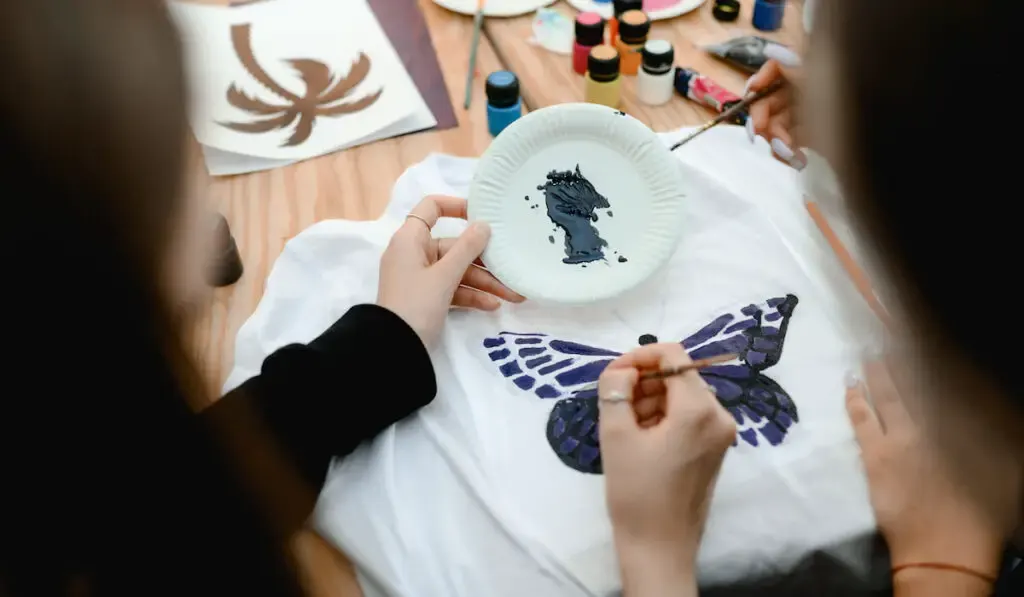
295	42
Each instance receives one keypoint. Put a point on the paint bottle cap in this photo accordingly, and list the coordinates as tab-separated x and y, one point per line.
589	29
634	26
621	6
658	56
726	10
603	63
225	266
502	88
682	79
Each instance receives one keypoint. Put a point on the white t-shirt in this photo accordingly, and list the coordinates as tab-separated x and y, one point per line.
495	487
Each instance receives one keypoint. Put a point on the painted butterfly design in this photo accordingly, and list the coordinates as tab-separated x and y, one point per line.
550	368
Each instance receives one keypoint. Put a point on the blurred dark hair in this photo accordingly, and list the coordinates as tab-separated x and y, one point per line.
93	130
929	161
93	135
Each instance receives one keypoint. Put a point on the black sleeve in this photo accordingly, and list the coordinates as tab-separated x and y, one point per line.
322	399
1011	581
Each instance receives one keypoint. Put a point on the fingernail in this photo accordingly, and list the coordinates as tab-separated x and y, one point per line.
852	380
786	154
785	56
751	134
782	150
746	86
799	160
617	382
481	227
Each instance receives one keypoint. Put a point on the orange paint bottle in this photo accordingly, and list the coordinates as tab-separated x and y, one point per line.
633	28
619	7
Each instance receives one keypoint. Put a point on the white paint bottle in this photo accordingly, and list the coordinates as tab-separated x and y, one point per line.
654	81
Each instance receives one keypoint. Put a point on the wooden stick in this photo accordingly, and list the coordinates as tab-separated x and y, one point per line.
856	274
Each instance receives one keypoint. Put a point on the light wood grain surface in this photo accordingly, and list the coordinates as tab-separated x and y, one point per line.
548	78
266	209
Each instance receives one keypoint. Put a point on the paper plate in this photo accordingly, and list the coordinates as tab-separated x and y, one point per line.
584	203
655	9
495	8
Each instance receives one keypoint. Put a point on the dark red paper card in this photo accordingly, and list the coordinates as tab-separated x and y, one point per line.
403	23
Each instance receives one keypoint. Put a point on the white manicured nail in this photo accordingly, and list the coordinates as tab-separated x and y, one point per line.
746	86
785	56
782	150
787	155
851	380
798	161
751	133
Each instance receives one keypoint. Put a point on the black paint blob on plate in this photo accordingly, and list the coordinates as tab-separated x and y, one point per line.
572	203
622	259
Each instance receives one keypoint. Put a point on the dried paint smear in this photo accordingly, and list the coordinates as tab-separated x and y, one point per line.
572	203
327	94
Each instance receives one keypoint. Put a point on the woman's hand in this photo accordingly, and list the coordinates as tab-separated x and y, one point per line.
924	514
421	277
775	118
662	445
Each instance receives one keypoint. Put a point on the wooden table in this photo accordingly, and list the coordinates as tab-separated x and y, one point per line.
548	78
267	208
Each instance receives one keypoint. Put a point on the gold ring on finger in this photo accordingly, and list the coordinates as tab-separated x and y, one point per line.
422	219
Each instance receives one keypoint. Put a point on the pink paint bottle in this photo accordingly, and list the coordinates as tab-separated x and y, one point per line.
589	33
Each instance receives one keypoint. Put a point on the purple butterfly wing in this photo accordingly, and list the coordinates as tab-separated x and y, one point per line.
762	408
552	368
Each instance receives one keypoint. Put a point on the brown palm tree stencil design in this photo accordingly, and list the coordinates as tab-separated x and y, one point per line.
324	91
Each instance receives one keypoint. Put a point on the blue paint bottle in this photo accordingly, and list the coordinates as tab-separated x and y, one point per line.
503	104
768	14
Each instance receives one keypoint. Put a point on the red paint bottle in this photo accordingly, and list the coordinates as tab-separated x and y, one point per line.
589	33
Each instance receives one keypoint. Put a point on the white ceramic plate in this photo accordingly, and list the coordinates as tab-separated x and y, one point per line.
655	9
495	8
619	159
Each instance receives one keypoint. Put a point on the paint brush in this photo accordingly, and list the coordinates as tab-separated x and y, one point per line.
478	24
853	270
695	365
663	373
731	112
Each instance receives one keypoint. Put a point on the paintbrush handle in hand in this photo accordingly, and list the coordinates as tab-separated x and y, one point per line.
694	366
662	374
731	112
